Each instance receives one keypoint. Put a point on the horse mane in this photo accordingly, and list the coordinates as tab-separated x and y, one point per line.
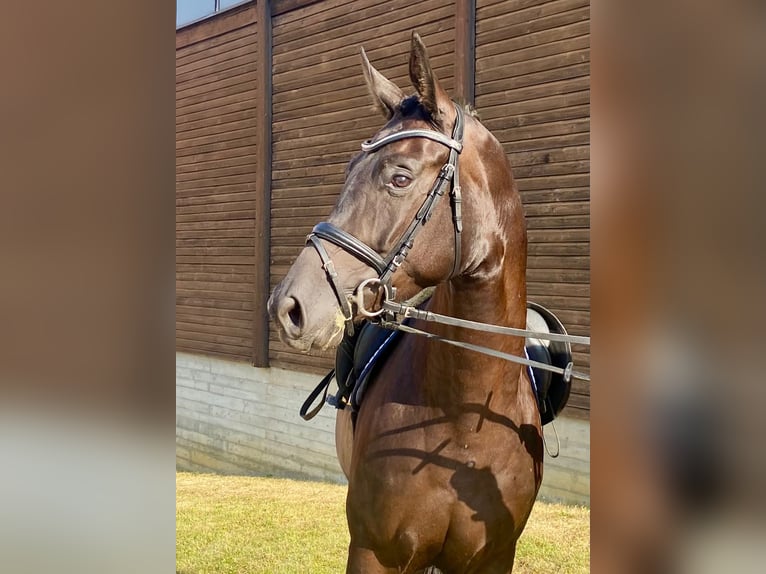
412	107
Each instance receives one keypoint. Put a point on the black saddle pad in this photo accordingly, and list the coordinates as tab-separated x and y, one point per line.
360	356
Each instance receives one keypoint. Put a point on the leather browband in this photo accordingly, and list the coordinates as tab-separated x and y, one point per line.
371	145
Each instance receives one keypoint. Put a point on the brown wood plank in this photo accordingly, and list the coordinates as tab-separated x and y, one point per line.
212	43
214	182
534	79
219	45
553	182
465	50
204	163
572	95
239	145
581	112
361	24
548	142
337	15
205	225
213	251
385	34
551	169
551	156
507	19
212	115
217	100
558	208
531	59
545	262
525	29
215	199
551	276
212	259
189	329
197	277
489	8
486	48
555	195
215	242
224	292
558	249
287	11
208	62
215	207
570	318
382	52
213	313
197	342
215	97
210	192
504	97
542	235
218	155
196	301
215	172
223	333
217	25
211	82
220	66
568	289
262	221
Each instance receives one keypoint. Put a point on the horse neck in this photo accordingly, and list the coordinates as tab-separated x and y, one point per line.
499	300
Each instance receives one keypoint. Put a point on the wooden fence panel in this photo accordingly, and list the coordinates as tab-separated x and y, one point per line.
532	92
216	135
321	111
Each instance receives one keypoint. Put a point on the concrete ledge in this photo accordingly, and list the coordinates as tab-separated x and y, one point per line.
237	419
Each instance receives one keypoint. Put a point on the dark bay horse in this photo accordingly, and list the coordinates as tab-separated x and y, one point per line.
445	458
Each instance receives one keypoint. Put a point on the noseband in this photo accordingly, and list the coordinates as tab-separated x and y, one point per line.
388	266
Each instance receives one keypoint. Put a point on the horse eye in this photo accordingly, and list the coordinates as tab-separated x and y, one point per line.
400	180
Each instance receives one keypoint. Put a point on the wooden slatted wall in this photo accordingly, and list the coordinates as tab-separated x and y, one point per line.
321	110
532	92
215	184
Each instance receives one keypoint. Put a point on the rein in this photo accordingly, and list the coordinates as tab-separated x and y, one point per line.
399	312
391	315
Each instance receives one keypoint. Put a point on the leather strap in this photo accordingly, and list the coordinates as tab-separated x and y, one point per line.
323	385
329	268
450	142
349	244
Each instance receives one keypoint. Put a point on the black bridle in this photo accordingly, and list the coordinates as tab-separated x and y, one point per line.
386	268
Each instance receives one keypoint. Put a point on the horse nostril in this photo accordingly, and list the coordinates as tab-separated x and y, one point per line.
295	314
290	315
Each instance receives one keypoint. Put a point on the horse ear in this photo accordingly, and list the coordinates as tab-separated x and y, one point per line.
431	93
385	94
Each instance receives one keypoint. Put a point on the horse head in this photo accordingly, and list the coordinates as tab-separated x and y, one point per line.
386	189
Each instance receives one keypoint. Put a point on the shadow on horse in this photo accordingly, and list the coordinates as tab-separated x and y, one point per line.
444	456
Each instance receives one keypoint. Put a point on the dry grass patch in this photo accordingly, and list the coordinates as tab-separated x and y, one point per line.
253	525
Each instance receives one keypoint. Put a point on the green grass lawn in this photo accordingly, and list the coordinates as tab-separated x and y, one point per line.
248	525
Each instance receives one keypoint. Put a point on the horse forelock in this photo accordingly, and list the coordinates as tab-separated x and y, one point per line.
412	107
